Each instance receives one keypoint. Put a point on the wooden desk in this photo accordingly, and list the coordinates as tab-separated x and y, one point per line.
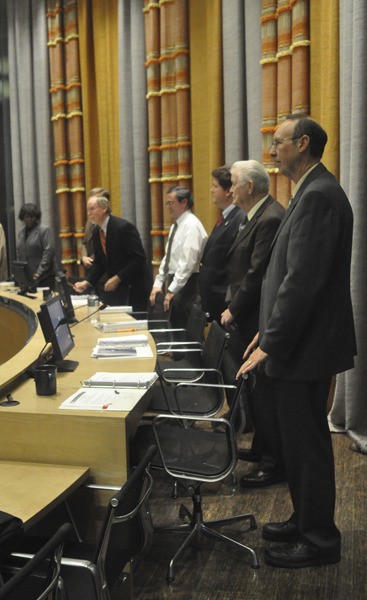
30	491
37	431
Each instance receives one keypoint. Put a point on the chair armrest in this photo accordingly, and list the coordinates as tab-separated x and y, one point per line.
165	329
199	371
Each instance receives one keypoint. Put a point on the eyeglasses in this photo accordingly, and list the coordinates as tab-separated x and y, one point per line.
277	141
169	203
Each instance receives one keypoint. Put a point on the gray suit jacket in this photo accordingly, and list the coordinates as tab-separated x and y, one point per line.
246	265
306	319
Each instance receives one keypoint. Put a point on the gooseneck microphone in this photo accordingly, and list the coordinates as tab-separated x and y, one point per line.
65	319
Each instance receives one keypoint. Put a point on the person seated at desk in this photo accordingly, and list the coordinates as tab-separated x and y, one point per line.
119	255
35	245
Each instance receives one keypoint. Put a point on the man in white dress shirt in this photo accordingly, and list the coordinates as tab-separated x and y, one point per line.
178	271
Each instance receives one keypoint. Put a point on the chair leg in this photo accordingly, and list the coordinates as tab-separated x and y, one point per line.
220	536
235	519
193	533
198	527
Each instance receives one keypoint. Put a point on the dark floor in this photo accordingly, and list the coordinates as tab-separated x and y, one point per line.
216	571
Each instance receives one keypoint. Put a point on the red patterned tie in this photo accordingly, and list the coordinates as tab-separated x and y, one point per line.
102	237
220	220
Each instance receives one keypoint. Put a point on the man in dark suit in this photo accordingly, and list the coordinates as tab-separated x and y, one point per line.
306	336
119	255
212	275
245	268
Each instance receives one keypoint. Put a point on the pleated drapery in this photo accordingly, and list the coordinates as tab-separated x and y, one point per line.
324	75
349	410
67	123
206	102
168	97
30	129
134	165
98	35
285	74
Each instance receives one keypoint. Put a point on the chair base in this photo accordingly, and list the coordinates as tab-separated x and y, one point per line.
198	527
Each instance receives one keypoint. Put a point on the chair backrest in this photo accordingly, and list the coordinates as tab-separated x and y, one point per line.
196	324
125	530
191	448
25	583
214	346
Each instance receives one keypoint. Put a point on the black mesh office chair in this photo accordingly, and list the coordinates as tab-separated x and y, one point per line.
199	364
192	449
125	533
39	578
173	342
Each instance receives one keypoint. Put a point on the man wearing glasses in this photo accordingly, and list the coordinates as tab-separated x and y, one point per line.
306	336
179	270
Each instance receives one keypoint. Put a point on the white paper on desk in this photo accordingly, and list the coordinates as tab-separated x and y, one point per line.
101	352
123	340
114	326
121	380
103	399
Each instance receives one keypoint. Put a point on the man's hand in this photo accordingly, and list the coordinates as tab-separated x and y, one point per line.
226	318
257	356
167	300
81	286
87	261
153	293
112	283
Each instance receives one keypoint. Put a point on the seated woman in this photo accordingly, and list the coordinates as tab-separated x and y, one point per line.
35	245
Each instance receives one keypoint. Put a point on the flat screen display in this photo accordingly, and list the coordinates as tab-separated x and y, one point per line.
63	290
22	275
59	336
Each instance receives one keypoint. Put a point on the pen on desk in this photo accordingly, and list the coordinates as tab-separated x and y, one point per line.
106	405
77	397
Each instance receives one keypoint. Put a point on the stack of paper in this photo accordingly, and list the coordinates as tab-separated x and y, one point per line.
122	326
110	391
132	346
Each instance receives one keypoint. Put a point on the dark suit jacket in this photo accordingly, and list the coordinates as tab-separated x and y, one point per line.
246	265
126	258
212	275
306	319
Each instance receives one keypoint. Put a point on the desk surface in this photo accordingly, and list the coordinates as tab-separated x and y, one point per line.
30	491
37	430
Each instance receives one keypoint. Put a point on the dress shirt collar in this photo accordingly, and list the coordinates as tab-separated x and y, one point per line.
227	210
255	208
299	183
104	225
182	217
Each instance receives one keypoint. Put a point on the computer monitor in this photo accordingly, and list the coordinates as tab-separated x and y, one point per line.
63	289
57	334
22	275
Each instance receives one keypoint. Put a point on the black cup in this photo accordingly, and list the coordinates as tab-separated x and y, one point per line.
45	379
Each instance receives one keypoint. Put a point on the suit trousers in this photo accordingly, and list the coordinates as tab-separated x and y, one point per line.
297	432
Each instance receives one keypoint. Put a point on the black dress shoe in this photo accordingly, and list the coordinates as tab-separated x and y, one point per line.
259	478
298	555
248	454
281	532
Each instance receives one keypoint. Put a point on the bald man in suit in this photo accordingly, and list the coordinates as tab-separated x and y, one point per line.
306	336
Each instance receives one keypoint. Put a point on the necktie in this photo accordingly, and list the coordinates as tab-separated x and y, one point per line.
243	224
169	249
102	237
220	220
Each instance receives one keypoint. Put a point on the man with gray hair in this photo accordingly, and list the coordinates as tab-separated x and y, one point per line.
245	269
119	255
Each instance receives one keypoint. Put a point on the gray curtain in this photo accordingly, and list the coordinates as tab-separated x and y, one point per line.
133	119
242	79
30	124
349	410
